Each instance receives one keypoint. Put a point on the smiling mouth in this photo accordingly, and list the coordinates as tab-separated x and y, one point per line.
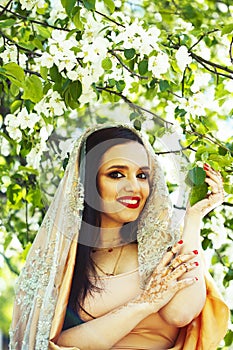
129	202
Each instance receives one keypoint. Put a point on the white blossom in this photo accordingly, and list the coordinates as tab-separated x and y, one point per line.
51	104
34	156
27	120
4	146
88	95
57	105
183	57
94	52
57	11
159	64
11	54
66	147
12	126
200	80
30	4
45	132
46	60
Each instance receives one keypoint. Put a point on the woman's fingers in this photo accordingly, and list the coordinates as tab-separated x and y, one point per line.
184	283
170	254
175	272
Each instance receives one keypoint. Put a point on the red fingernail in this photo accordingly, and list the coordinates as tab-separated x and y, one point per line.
196	278
206	166
195	251
180	242
196	263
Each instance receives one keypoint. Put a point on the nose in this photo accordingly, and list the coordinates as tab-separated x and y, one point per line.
132	185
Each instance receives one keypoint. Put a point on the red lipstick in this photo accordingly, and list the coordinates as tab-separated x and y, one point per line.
130	202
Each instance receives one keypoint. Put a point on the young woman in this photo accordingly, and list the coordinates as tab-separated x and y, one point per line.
107	269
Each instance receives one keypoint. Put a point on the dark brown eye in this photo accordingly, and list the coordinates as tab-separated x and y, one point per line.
115	175
143	176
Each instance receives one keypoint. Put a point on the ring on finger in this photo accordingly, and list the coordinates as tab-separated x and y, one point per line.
179	261
186	267
171	267
170	249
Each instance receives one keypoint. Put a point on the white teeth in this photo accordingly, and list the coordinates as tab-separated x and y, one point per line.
128	201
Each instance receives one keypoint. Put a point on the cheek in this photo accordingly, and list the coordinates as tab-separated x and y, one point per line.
146	190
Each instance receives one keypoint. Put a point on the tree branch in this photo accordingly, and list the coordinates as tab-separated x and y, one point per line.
230	50
44	24
212	64
126	67
5	8
133	105
19	47
193	132
109	18
202	37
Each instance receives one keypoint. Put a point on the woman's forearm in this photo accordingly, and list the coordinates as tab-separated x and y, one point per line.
188	302
103	332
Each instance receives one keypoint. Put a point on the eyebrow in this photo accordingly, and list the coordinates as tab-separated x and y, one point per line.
126	167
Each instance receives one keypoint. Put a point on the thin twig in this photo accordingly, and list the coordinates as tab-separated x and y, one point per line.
44	24
126	67
109	19
19	46
5	7
212	64
133	105
214	70
216	142
202	37
230	50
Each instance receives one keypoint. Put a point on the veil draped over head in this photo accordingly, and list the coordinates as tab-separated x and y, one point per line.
44	284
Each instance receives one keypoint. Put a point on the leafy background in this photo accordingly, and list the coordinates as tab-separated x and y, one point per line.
163	66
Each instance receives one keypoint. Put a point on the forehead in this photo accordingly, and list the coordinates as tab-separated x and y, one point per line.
123	154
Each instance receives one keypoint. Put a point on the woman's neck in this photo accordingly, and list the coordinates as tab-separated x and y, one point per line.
109	237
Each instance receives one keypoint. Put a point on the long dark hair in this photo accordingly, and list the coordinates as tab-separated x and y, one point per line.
84	267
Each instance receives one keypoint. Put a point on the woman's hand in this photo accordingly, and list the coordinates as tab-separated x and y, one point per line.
163	283
213	199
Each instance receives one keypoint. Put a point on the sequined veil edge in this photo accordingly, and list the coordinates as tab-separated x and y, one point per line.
37	288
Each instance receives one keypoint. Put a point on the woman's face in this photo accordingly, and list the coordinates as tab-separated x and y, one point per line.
123	183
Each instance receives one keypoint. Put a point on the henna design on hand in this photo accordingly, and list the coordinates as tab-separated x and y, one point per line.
163	283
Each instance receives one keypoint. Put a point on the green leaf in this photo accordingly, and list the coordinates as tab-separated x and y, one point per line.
137	124
120	85
44	72
110	5
164	85
89	4
129	53
77	19
33	89
7	22
198	193
197	175
106	63
68	5
75	90
143	67
54	74
228	338
227	29
133	115
14	73
15	105
14	89
44	32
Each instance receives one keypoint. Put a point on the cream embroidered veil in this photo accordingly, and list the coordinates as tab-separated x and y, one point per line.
46	278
